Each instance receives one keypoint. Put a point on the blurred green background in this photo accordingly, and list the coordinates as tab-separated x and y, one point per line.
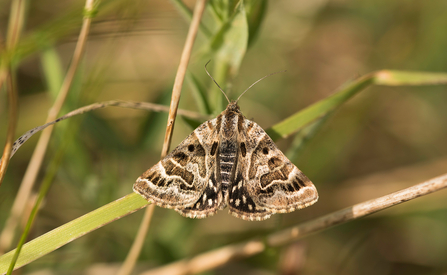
383	140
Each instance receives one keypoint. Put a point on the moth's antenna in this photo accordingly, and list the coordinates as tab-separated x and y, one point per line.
257	82
216	82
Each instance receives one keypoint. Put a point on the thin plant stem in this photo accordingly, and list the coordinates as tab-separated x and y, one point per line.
35	163
181	71
16	22
187	14
212	259
12	123
135	250
116	103
134	253
15	27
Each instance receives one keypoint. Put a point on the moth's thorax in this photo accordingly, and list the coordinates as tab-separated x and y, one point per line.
230	118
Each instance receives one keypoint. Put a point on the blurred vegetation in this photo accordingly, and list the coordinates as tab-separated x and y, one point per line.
383	140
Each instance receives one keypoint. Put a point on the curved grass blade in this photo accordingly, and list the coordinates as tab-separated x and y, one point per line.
385	78
118	103
70	231
187	14
228	46
200	94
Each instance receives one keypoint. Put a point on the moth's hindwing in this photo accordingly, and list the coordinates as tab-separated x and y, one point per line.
208	204
179	179
241	203
273	182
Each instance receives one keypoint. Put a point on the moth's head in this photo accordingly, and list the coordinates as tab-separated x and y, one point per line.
232	106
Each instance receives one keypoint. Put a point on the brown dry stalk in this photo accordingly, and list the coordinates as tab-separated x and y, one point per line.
35	163
221	256
181	71
117	103
135	250
131	259
15	27
12	123
15	23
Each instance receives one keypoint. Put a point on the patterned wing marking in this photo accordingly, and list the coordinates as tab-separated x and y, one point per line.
274	182
241	204
208	204
180	178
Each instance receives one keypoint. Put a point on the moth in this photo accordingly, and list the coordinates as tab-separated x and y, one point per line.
227	161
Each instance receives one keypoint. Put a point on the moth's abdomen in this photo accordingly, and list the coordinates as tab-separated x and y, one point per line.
227	161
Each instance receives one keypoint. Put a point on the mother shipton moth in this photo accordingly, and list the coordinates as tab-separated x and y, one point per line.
227	161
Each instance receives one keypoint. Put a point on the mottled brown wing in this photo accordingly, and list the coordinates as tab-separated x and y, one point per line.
241	202
208	203
273	182
179	179
211	198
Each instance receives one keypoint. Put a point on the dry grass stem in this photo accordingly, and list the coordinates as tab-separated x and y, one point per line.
12	123
36	159
15	26
221	256
357	211
116	103
135	250
132	257
210	260
181	71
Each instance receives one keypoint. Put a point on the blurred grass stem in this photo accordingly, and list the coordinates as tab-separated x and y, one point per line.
7	73
221	256
33	168
135	250
12	124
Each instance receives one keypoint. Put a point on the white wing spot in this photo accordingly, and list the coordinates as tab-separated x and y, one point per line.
231	201
239	185
234	188
204	198
198	205
244	199
250	207
238	201
211	183
215	189
210	202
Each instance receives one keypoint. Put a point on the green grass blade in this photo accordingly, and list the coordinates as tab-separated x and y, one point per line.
228	46
402	78
230	43
46	184
52	70
309	114
256	11
319	109
200	94
72	230
305	135
187	14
